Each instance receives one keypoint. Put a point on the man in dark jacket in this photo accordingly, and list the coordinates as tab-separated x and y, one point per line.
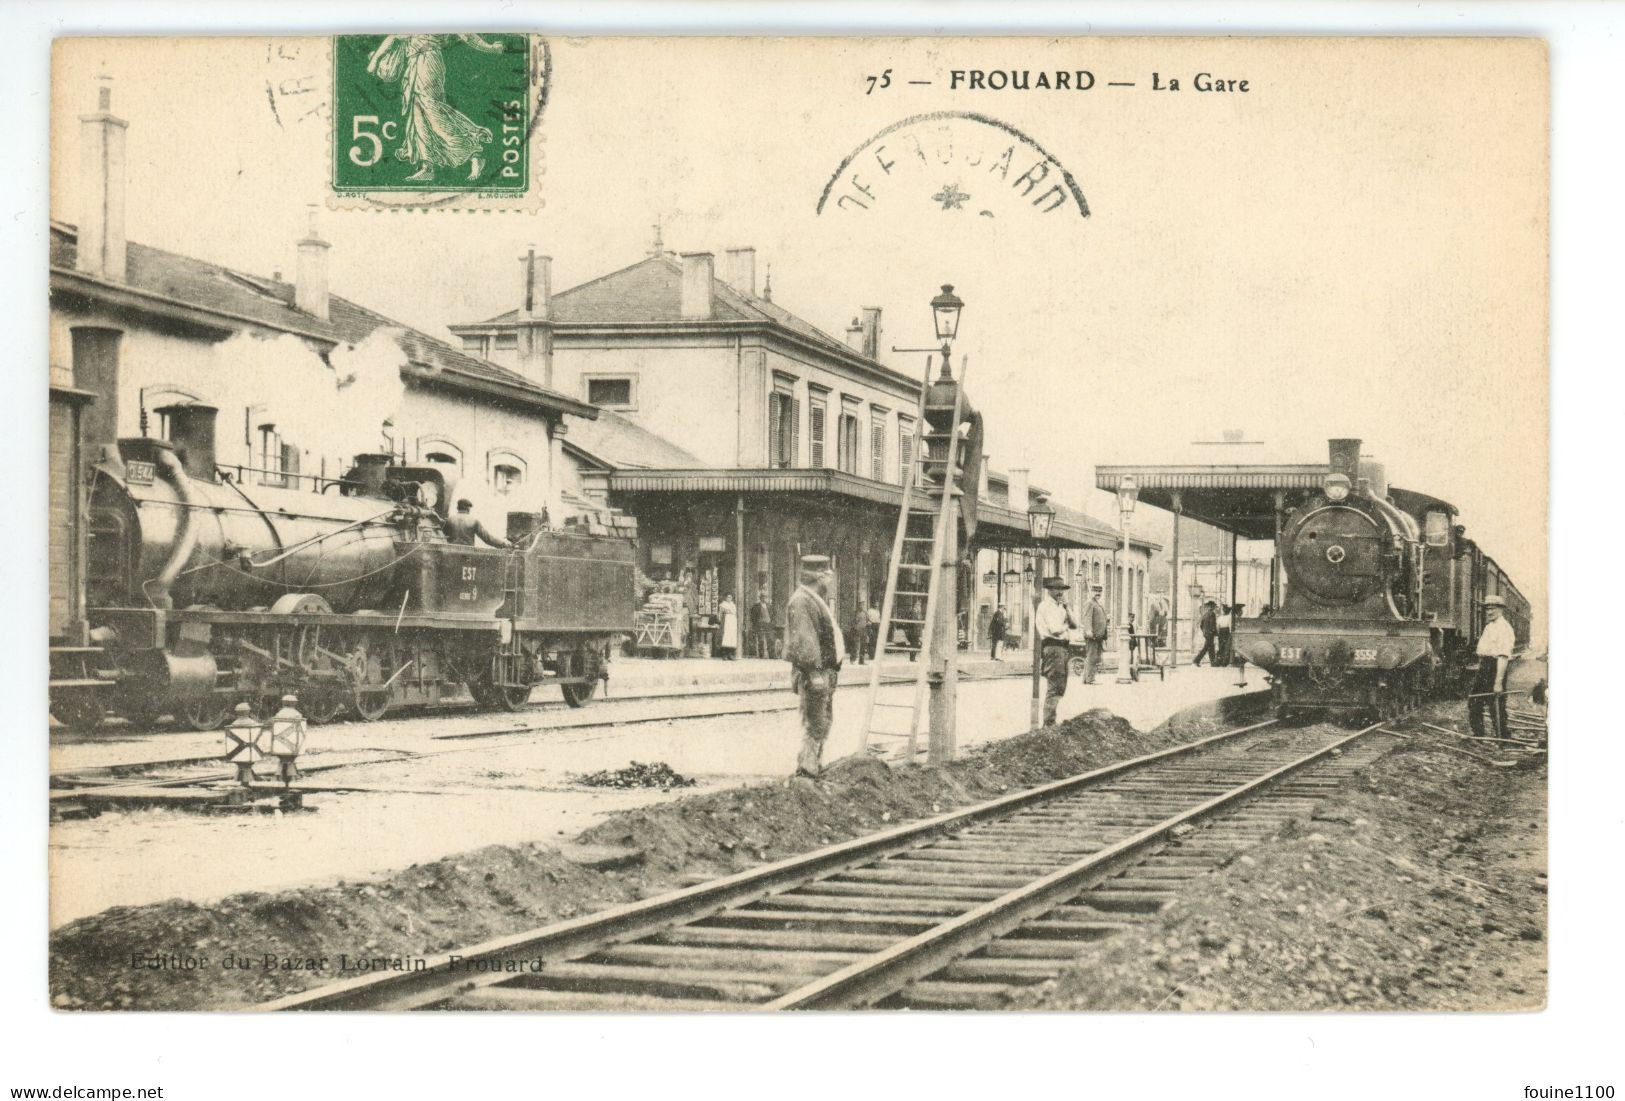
996	629
1210	634
1095	628
462	527
761	627
815	650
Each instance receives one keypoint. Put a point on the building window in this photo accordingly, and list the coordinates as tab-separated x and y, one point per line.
277	460
877	447
505	478
783	429
507	342
474	346
905	446
614	393
440	451
847	443
817	416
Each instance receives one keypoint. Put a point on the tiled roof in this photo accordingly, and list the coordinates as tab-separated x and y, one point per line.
269	302
651	292
623	445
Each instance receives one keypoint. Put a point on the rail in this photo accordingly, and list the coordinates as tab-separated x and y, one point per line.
451	975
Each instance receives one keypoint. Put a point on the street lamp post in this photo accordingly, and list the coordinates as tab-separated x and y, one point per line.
1040	517
1127	493
942	673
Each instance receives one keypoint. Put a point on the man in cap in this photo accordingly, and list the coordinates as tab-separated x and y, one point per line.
1095	628
1495	646
1055	625
462	527
815	650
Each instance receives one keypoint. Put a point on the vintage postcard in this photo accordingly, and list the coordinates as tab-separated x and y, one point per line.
714	524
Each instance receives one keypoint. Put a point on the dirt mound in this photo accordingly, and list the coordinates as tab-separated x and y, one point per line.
1421	885
137	957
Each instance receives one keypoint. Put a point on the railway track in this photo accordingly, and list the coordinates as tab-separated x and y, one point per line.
956	911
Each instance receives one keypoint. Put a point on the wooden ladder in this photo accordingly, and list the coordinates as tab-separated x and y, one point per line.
908	606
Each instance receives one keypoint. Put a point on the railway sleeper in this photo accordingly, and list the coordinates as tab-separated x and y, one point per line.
1053	928
890	925
579	1001
665	982
839	886
859	904
891	873
1011	972
729	958
796	940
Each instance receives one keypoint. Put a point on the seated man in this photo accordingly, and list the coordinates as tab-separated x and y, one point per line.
463	528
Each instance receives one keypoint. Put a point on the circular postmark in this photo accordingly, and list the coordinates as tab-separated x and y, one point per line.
958	161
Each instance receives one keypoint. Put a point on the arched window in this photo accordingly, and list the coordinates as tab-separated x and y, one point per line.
438	449
505	470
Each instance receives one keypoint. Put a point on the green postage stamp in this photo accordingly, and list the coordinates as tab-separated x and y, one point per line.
436	120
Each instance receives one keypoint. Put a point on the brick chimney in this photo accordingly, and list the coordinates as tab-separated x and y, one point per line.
699	269
871	331
535	317
101	247
739	270
310	276
854	336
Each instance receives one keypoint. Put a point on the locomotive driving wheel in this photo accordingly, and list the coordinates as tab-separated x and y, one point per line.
322	703
78	709
206	713
370	701
577	695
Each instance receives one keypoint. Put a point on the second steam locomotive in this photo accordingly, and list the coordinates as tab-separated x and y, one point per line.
1384	597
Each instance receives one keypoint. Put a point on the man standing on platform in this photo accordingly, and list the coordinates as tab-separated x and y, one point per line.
815	650
1495	647
1210	632
1095	629
1055	626
1157	629
761	627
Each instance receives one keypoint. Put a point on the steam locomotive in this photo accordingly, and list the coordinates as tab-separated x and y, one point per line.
1384	597
202	591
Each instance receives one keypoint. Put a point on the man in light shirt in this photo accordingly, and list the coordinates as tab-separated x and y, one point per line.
1055	625
1495	646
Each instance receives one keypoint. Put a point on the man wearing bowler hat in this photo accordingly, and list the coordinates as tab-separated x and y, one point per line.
815	650
1055	625
1495	645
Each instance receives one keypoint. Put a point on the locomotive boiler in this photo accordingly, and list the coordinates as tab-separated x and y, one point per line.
203	591
1383	596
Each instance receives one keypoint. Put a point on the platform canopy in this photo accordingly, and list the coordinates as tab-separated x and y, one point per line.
1236	488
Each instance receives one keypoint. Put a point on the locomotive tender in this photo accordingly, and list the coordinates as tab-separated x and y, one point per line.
202	591
1383	601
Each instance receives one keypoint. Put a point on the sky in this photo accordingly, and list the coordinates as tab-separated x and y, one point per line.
1355	246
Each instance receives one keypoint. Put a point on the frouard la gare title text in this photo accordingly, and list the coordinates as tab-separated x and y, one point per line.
1059	80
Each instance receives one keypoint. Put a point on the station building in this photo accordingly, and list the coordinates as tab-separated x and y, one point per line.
742	436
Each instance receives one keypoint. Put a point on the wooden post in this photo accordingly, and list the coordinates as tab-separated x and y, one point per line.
1275	559
943	674
744	598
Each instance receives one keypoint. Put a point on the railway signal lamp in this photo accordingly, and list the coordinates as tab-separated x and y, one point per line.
283	738
242	744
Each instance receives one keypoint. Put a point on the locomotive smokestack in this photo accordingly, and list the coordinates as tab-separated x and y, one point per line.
191	430
369	472
1345	459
